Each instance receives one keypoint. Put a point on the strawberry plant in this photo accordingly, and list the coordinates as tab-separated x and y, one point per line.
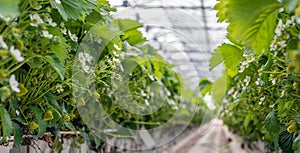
59	56
261	98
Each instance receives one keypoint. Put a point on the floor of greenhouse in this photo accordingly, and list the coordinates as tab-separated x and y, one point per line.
214	137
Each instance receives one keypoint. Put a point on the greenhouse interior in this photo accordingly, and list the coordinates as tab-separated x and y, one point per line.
149	76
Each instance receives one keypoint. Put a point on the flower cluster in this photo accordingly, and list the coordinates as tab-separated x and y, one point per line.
85	59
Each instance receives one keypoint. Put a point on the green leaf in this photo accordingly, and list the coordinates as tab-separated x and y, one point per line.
126	24
271	124
296	144
74	9
39	117
54	61
251	22
234	104
286	142
50	99
221	8
134	37
18	135
9	8
59	49
205	86
6	124
101	30
219	90
247	119
230	55
157	69
216	59
93	18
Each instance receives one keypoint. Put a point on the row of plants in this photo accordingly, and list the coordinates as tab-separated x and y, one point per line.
69	66
261	69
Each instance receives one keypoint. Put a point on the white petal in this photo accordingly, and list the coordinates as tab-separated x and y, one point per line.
14	83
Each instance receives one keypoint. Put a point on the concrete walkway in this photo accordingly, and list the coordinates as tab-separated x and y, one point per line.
214	137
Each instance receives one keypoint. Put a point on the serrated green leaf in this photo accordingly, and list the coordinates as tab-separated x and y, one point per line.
221	8
134	37
126	24
54	61
101	30
74	9
271	124
286	142
9	8
6	124
50	99
252	22
60	50
255	25
230	55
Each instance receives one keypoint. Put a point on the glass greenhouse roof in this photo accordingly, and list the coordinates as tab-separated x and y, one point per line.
185	32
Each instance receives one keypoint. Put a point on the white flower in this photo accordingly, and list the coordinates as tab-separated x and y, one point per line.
298	20
247	80
258	81
117	47
261	100
17	112
64	30
230	91
50	21
147	102
46	34
16	53
282	93
36	20
116	61
59	88
14	83
281	44
273	81
82	58
250	60
2	43
99	40
57	1
73	37
281	10
242	69
143	93
86	68
88	57
171	102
